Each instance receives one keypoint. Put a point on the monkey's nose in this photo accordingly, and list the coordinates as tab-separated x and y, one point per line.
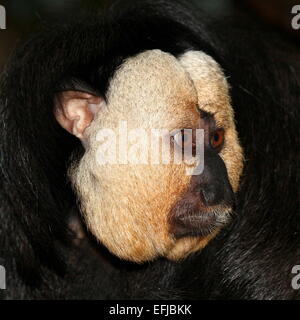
215	188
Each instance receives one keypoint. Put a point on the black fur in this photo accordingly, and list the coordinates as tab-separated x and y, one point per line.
251	259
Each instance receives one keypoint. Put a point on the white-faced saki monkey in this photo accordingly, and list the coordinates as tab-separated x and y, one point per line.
149	151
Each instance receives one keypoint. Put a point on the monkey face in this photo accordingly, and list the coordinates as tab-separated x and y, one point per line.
138	207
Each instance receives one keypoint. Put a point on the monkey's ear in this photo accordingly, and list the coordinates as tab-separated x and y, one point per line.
75	110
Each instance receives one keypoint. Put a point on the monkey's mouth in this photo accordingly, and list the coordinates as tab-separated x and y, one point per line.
201	223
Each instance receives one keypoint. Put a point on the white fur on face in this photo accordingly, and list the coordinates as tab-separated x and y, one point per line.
126	206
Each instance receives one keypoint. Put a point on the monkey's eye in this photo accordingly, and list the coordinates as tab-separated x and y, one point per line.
217	139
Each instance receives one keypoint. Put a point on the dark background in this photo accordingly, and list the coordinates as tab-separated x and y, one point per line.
23	16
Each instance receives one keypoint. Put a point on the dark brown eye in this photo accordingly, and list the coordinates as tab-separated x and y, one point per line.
217	139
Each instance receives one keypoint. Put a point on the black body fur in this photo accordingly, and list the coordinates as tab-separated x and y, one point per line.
251	259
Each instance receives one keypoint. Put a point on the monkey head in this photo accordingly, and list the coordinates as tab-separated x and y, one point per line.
138	207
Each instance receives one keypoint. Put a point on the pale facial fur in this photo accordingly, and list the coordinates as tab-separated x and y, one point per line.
127	207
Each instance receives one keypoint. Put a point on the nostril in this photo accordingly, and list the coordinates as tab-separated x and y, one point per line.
211	195
207	197
217	194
